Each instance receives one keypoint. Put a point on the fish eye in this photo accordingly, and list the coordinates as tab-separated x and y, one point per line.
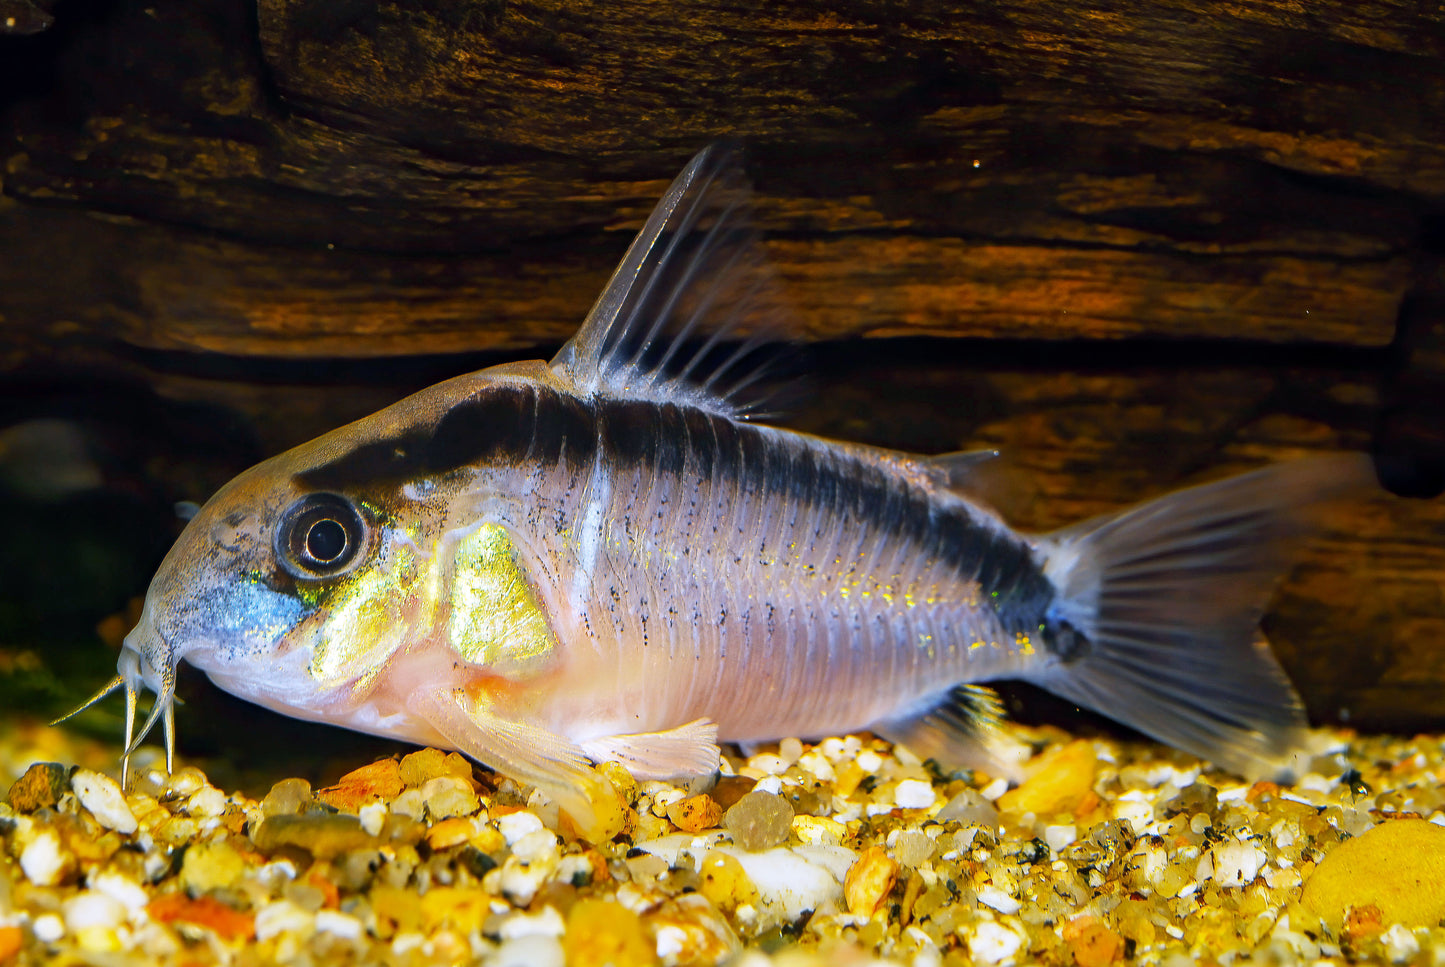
319	535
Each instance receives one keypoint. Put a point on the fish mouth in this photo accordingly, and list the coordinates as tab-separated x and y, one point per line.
147	661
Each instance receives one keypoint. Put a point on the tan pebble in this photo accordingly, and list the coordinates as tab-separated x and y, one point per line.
695	813
448	796
1091	942
210	866
1058	782
1398	866
603	933
286	797
725	883
380	781
759	821
869	881
420	767
41	787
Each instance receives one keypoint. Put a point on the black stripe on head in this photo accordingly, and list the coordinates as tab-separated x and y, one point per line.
500	425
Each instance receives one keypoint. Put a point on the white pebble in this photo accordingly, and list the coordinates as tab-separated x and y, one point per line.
573	867
539	846
283	916
869	761
915	794
338	924
1400	943
790	749
48	928
1236	864
122	889
994	789
514	826
102	796
520	883
817	765
373	817
833	749
533	951
992	896
772	784
993	943
1059	837
210	801
546	922
769	764
671	941
92	908
1137	814
42	859
789	884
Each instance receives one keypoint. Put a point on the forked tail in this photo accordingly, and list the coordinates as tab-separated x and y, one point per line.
1157	620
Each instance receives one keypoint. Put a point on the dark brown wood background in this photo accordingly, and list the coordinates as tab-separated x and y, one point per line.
1134	246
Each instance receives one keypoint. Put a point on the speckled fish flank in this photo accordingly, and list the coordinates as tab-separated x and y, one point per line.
606	557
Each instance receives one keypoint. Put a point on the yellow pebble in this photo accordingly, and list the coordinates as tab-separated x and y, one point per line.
603	933
869	881
211	866
818	830
725	883
464	909
1057	783
452	832
1398	866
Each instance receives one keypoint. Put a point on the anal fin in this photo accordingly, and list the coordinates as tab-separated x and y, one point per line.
962	729
688	750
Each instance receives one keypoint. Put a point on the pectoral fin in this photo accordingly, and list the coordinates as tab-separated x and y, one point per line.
551	762
688	750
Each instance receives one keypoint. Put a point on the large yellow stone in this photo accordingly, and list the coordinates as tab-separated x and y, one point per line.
1058	781
1398	866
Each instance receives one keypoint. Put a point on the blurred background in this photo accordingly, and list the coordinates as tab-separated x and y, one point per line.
1133	248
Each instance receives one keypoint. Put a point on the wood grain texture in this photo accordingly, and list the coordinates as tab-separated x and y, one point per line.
460	176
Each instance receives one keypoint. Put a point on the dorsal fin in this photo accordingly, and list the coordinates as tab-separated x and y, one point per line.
959	470
680	318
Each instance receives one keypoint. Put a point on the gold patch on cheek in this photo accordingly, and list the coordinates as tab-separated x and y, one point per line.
496	618
368	620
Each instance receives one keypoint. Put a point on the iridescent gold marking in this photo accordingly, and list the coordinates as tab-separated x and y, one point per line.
496	619
367	621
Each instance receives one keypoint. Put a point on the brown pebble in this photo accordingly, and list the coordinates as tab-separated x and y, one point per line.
869	881
40	788
1091	942
759	821
730	789
695	813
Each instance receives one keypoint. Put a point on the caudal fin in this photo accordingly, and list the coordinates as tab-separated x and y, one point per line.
1157	620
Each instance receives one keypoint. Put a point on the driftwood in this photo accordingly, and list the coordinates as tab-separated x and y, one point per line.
1170	237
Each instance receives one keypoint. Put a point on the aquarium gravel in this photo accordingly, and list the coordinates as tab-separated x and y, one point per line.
843	851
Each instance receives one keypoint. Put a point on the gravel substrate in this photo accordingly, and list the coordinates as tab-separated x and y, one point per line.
844	851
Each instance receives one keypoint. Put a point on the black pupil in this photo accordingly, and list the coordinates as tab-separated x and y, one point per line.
326	540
